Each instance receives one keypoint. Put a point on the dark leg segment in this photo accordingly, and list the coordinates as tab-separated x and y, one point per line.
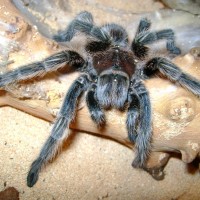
58	133
91	30
96	112
132	115
175	74
116	33
82	23
69	32
145	37
51	63
144	25
144	132
139	49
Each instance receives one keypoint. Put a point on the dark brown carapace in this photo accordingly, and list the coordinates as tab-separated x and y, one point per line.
115	59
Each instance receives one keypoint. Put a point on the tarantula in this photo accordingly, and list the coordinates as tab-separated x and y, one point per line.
113	71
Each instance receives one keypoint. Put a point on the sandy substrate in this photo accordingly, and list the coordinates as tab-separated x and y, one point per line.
88	168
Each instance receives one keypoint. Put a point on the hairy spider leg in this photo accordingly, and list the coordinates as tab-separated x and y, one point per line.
144	37
132	115
58	133
174	73
95	110
117	34
144	130
51	63
91	30
144	25
83	22
70	31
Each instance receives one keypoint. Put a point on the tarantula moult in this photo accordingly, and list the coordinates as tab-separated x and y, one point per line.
112	75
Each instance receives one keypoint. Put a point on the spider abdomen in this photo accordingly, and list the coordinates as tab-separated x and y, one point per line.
112	89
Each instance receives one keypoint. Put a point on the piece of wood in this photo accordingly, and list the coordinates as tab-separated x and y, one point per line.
175	118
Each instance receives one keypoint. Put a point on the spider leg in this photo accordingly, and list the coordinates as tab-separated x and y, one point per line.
95	110
38	68
132	115
70	31
144	37
144	131
82	23
174	73
117	34
58	133
144	25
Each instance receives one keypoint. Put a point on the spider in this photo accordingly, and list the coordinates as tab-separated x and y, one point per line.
112	74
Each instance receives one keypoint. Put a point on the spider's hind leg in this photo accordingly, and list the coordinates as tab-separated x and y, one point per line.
58	133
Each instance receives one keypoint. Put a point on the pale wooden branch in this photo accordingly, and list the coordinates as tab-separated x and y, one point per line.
175	118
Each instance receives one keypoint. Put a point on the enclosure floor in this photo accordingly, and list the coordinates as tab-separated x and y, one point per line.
88	168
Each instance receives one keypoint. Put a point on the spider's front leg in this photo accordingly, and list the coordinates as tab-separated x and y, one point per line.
144	37
83	23
139	121
51	63
144	25
174	73
70	31
58	133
